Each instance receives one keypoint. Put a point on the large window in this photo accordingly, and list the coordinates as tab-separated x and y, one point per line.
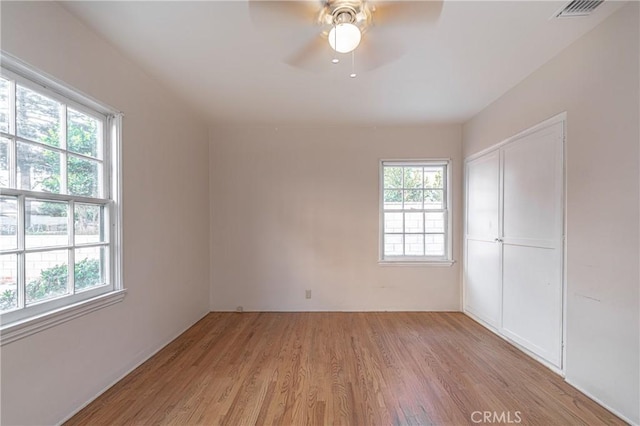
59	206
415	213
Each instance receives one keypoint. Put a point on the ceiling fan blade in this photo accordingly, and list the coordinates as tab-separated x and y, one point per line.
376	51
273	15
406	12
313	56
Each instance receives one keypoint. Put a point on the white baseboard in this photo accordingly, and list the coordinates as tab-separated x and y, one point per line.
521	348
551	367
138	361
330	310
607	406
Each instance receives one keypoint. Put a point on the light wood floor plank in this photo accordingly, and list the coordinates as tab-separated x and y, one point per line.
339	368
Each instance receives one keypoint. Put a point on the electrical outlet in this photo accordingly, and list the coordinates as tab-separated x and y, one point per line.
307	294
239	309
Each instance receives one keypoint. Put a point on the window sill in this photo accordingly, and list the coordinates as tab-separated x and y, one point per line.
404	262
21	329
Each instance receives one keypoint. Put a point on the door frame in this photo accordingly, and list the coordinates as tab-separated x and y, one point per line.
559	118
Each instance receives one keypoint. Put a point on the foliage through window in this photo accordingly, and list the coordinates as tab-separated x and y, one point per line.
57	227
415	212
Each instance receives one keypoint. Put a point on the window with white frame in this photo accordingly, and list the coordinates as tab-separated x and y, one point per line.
415	213
59	206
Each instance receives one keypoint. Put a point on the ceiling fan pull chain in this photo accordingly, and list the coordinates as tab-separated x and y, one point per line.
335	59
353	64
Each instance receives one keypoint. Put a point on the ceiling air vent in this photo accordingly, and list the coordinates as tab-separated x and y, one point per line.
578	8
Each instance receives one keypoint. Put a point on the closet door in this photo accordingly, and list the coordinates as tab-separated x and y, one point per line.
482	273
532	240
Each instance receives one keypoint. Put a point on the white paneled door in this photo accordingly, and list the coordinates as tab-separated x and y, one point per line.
532	241
483	272
514	271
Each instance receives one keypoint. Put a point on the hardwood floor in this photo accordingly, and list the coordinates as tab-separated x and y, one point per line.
341	368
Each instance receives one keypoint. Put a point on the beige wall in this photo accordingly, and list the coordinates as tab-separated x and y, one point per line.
297	208
596	81
47	376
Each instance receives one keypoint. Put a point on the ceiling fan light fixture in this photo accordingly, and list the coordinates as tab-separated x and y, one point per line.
344	37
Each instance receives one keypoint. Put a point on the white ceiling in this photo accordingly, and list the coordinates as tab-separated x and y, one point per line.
212	54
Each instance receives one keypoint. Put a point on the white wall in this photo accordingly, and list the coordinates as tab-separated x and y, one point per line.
596	81
47	376
297	208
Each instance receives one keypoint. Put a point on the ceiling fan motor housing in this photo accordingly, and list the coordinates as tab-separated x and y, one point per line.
344	15
337	12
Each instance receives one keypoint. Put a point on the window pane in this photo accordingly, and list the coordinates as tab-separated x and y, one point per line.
37	117
88	219
433	199
8	282
46	275
46	223
414	210
393	199
435	244
413	177
413	222
4	162
83	134
89	268
8	223
434	222
433	177
393	245
38	168
4	105
413	199
393	177
414	245
393	222
83	177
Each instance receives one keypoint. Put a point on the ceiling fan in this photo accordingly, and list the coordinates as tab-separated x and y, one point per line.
323	32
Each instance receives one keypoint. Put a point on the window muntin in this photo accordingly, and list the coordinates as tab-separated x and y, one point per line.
415	212
57	217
